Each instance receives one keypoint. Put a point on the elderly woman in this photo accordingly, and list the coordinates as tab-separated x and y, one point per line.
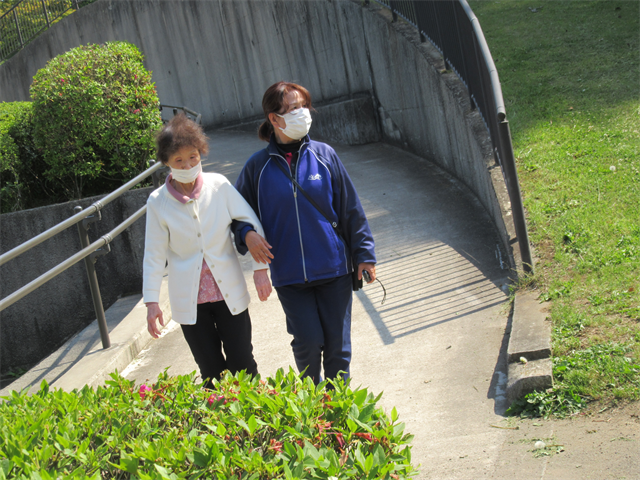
317	241
188	227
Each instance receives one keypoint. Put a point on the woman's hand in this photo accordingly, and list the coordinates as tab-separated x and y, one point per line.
154	311
369	267
259	248
263	284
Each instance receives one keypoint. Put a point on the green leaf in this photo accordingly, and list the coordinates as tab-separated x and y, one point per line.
359	397
129	465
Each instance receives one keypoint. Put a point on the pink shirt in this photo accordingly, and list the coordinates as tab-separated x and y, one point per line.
208	291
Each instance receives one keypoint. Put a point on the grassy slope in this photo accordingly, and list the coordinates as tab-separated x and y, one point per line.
571	81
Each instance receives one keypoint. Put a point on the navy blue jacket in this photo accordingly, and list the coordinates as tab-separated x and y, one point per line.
305	245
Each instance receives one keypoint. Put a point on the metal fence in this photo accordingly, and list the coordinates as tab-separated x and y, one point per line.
90	251
452	27
27	19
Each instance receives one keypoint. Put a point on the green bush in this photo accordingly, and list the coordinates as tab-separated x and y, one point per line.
10	193
22	184
248	428
95	113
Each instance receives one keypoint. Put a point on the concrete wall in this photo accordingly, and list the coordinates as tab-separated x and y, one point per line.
218	56
39	323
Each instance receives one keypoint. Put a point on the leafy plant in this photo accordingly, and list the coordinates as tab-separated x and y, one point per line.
557	401
95	113
281	427
582	376
9	177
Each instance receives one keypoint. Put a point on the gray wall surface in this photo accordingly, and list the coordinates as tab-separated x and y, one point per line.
218	56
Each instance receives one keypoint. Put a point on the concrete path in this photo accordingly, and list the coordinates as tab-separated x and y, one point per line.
437	346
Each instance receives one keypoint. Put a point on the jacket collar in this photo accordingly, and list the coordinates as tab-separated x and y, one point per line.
273	148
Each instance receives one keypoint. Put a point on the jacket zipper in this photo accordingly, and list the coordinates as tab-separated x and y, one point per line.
295	199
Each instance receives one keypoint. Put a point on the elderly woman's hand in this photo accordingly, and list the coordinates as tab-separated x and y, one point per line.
258	247
263	284
154	312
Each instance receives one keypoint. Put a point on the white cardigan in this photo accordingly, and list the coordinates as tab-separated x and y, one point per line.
184	234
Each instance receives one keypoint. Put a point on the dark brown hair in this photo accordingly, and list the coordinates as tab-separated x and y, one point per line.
273	101
177	133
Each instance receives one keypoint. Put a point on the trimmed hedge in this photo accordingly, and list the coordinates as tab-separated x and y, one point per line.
22	184
95	112
246	428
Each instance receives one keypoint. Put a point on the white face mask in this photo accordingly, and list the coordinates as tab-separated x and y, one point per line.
186	176
298	123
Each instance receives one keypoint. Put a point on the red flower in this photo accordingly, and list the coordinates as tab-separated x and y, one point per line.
366	436
340	439
137	110
215	398
275	446
143	391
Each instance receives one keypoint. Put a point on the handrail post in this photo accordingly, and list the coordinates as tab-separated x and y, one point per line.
394	10
93	278
420	21
15	18
513	188
46	14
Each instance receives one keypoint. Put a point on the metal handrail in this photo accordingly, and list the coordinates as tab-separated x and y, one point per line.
471	60
95	207
197	117
89	251
11	20
69	262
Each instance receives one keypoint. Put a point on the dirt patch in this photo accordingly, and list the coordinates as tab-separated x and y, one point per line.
602	446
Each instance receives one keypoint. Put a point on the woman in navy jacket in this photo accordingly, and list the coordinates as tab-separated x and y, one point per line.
310	260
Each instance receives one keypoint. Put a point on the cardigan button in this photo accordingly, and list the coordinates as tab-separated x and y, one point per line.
199	235
219	281
234	309
226	296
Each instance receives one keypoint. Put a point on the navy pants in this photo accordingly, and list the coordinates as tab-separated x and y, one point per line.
319	318
217	329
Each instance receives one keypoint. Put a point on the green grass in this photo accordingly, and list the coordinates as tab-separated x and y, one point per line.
570	75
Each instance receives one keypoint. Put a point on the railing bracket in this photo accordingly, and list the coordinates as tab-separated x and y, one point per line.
91	219
100	252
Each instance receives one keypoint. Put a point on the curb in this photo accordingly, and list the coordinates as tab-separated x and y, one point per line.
529	351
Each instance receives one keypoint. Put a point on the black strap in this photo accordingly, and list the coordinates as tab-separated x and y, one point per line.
311	200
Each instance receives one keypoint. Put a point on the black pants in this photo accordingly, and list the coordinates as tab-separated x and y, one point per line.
216	329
